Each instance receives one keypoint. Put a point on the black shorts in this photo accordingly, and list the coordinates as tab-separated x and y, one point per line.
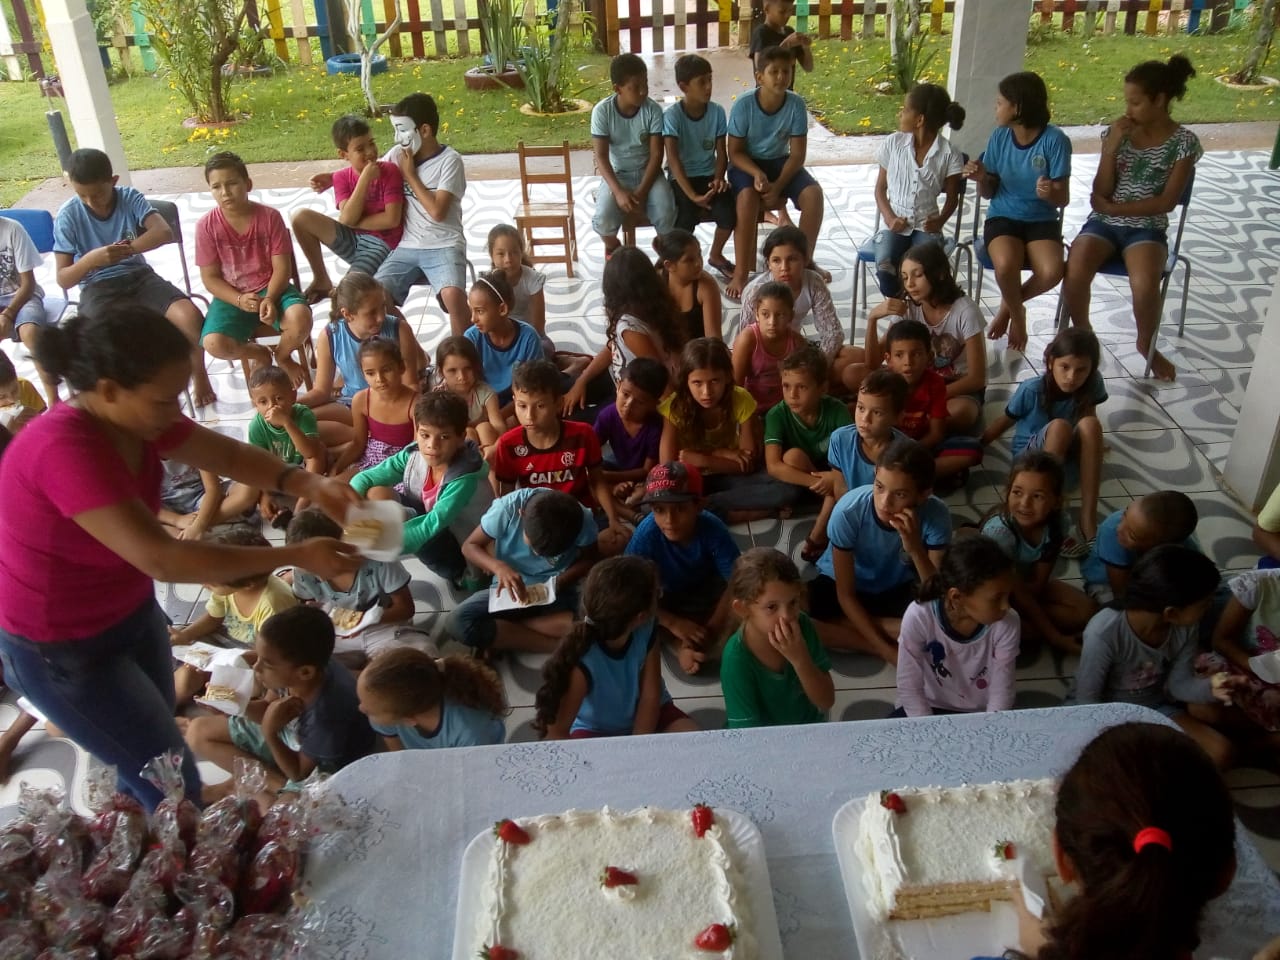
740	180
824	604
145	287
689	214
1026	231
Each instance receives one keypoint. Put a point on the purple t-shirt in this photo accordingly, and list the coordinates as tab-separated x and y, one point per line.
628	452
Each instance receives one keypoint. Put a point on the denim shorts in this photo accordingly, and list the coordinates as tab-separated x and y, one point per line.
740	180
31	312
1122	238
441	267
362	251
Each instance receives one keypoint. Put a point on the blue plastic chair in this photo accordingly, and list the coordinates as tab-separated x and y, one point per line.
1115	268
39	226
975	250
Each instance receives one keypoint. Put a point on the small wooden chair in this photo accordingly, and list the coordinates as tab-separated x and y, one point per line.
547	215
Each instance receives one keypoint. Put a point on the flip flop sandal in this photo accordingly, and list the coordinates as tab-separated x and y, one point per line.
722	267
1074	545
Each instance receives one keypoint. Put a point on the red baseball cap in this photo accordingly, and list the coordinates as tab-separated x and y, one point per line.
672	482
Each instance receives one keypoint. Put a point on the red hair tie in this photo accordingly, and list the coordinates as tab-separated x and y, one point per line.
1149	835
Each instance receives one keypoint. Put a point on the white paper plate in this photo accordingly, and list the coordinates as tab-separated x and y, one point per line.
391	515
941	938
751	859
500	602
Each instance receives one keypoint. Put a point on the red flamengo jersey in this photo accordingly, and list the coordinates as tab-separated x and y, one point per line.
562	467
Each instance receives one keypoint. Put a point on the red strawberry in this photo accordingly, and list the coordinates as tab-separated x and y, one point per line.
892	801
716	938
497	952
616	877
703	818
1005	850
510	831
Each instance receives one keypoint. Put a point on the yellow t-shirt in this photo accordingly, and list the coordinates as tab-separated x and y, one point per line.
723	437
276	597
29	397
1269	518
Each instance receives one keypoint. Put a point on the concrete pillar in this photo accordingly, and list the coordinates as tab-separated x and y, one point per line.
75	48
1253	465
988	42
12	62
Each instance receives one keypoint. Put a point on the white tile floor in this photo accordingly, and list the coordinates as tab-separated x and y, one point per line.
1159	435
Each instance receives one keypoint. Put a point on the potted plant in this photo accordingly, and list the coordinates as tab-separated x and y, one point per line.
501	27
368	61
196	39
544	67
1250	72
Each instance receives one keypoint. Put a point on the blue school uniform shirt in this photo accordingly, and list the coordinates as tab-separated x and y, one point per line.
499	363
845	454
345	350
1027	407
502	522
628	136
880	563
1108	551
696	139
77	230
768	135
1019	167
1025	555
331	730
613	684
459	726
687	566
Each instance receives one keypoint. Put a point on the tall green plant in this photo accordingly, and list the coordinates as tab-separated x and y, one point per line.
501	26
544	66
1251	70
908	58
195	39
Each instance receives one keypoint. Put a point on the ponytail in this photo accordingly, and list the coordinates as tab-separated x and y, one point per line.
557	672
471	683
411	682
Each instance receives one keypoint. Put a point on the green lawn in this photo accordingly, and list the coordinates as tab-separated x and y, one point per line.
288	115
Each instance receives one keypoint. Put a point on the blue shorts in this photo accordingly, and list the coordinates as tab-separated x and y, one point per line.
439	266
247	736
1122	238
362	251
31	312
740	180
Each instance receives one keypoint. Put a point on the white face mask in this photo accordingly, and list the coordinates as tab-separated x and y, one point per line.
406	133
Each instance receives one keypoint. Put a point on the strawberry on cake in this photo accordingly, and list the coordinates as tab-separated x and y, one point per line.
600	883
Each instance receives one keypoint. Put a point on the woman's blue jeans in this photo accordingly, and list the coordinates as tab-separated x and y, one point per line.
111	693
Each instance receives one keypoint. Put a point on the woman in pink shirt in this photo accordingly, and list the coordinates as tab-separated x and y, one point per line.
81	634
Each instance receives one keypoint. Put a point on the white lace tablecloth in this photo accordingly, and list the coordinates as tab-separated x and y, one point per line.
389	887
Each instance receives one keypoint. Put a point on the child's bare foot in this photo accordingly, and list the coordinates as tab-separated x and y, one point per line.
691	658
292	368
1162	368
257	356
733	289
318	290
203	395
999	324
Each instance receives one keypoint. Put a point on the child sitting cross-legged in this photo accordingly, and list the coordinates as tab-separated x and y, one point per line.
190	500
605	678
1145	652
775	670
502	342
798	434
763	343
378	583
381	413
1249	626
235	610
908	350
1163	516
460	372
694	554
442	477
959	639
314	724
631	427
284	427
416	702
526	538
546	451
885	538
1029	528
711	426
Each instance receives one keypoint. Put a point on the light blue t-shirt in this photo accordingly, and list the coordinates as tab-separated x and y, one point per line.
628	136
687	566
77	230
768	135
459	727
1026	406
1108	551
1018	167
1024	554
345	350
880	563
499	363
502	522
696	139
613	684
845	454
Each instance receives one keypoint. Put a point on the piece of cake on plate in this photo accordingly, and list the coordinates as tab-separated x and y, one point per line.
651	883
936	851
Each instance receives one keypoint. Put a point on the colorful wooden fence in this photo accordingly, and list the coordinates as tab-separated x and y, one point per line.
433	28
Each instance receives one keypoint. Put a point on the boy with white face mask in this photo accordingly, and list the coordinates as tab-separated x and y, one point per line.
433	248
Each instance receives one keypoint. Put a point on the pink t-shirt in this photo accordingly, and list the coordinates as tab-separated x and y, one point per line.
245	258
388	188
56	581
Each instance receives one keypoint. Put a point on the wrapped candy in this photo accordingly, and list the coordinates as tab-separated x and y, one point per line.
208	908
108	877
62	953
258	937
175	815
66	918
21	944
53	823
111	808
235	819
269	879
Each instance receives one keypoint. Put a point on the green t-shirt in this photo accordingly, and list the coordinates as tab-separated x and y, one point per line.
784	428
277	439
757	697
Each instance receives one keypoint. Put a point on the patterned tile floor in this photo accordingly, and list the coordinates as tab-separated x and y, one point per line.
1159	435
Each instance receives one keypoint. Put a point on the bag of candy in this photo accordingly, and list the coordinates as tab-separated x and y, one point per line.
53	824
64	916
175	815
